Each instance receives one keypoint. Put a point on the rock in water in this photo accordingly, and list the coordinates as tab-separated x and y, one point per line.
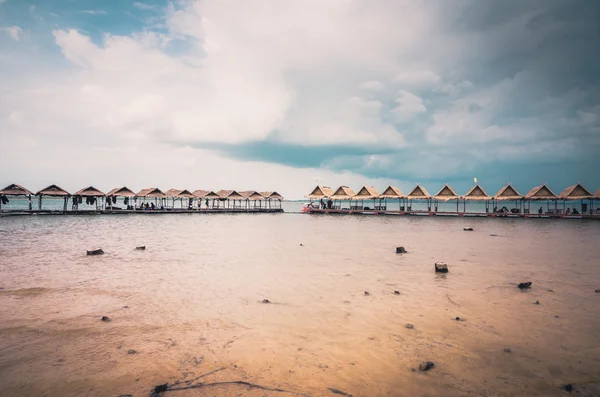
105	319
507	350
468	229
426	365
441	267
400	250
266	301
367	293
131	351
141	248
568	387
97	251
396	292
409	326
524	285
161	388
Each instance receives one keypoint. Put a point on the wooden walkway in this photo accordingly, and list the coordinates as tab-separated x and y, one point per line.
142	212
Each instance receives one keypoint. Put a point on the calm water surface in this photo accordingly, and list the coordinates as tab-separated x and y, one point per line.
194	298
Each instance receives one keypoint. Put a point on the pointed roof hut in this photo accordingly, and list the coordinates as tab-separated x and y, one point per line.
576	192
597	193
541	192
320	192
53	190
508	192
367	193
343	193
209	194
446	194
185	194
150	193
15	190
391	192
271	195
251	195
476	193
89	191
230	194
121	192
418	193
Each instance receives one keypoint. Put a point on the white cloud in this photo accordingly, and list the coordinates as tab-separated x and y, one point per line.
94	12
372	85
144	6
417	78
14	31
409	106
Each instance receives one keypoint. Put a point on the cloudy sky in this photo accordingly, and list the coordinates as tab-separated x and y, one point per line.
282	95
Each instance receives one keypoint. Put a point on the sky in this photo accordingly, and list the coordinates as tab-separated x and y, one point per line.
284	95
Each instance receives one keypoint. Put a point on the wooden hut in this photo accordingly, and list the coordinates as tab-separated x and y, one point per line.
181	195
205	195
446	194
343	193
252	196
320	192
53	191
392	192
509	193
540	193
230	198
368	193
91	195
273	199
114	194
151	193
476	194
578	192
14	190
418	193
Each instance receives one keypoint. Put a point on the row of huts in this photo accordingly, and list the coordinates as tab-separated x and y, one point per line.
345	196
150	198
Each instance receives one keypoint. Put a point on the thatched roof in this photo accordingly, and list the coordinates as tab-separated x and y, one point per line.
576	192
121	192
391	192
151	192
179	193
320	192
508	193
15	190
476	193
597	193
251	195
446	193
89	191
343	193
209	194
230	194
53	190
417	193
367	193
542	192
272	195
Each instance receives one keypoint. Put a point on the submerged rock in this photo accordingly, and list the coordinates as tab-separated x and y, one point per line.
507	350
468	229
598	291
161	388
537	302
409	326
97	251
441	267
426	365
568	387
396	292
131	351
105	319
266	301
400	250
524	285
367	293
140	248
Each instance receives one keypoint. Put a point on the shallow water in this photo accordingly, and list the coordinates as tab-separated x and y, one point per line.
194	305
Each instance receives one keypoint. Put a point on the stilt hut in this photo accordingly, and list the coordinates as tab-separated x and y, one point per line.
509	193
91	195
343	193
577	192
251	198
597	197
320	193
151	193
181	195
125	192
273	199
367	193
419	193
540	193
444	195
392	192
230	198
53	191
476	194
15	191
205	195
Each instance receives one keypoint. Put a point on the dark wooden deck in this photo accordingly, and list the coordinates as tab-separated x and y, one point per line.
143	212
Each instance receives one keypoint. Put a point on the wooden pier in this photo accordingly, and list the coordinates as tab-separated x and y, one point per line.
17	212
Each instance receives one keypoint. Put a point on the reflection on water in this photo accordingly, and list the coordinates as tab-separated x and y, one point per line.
191	303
